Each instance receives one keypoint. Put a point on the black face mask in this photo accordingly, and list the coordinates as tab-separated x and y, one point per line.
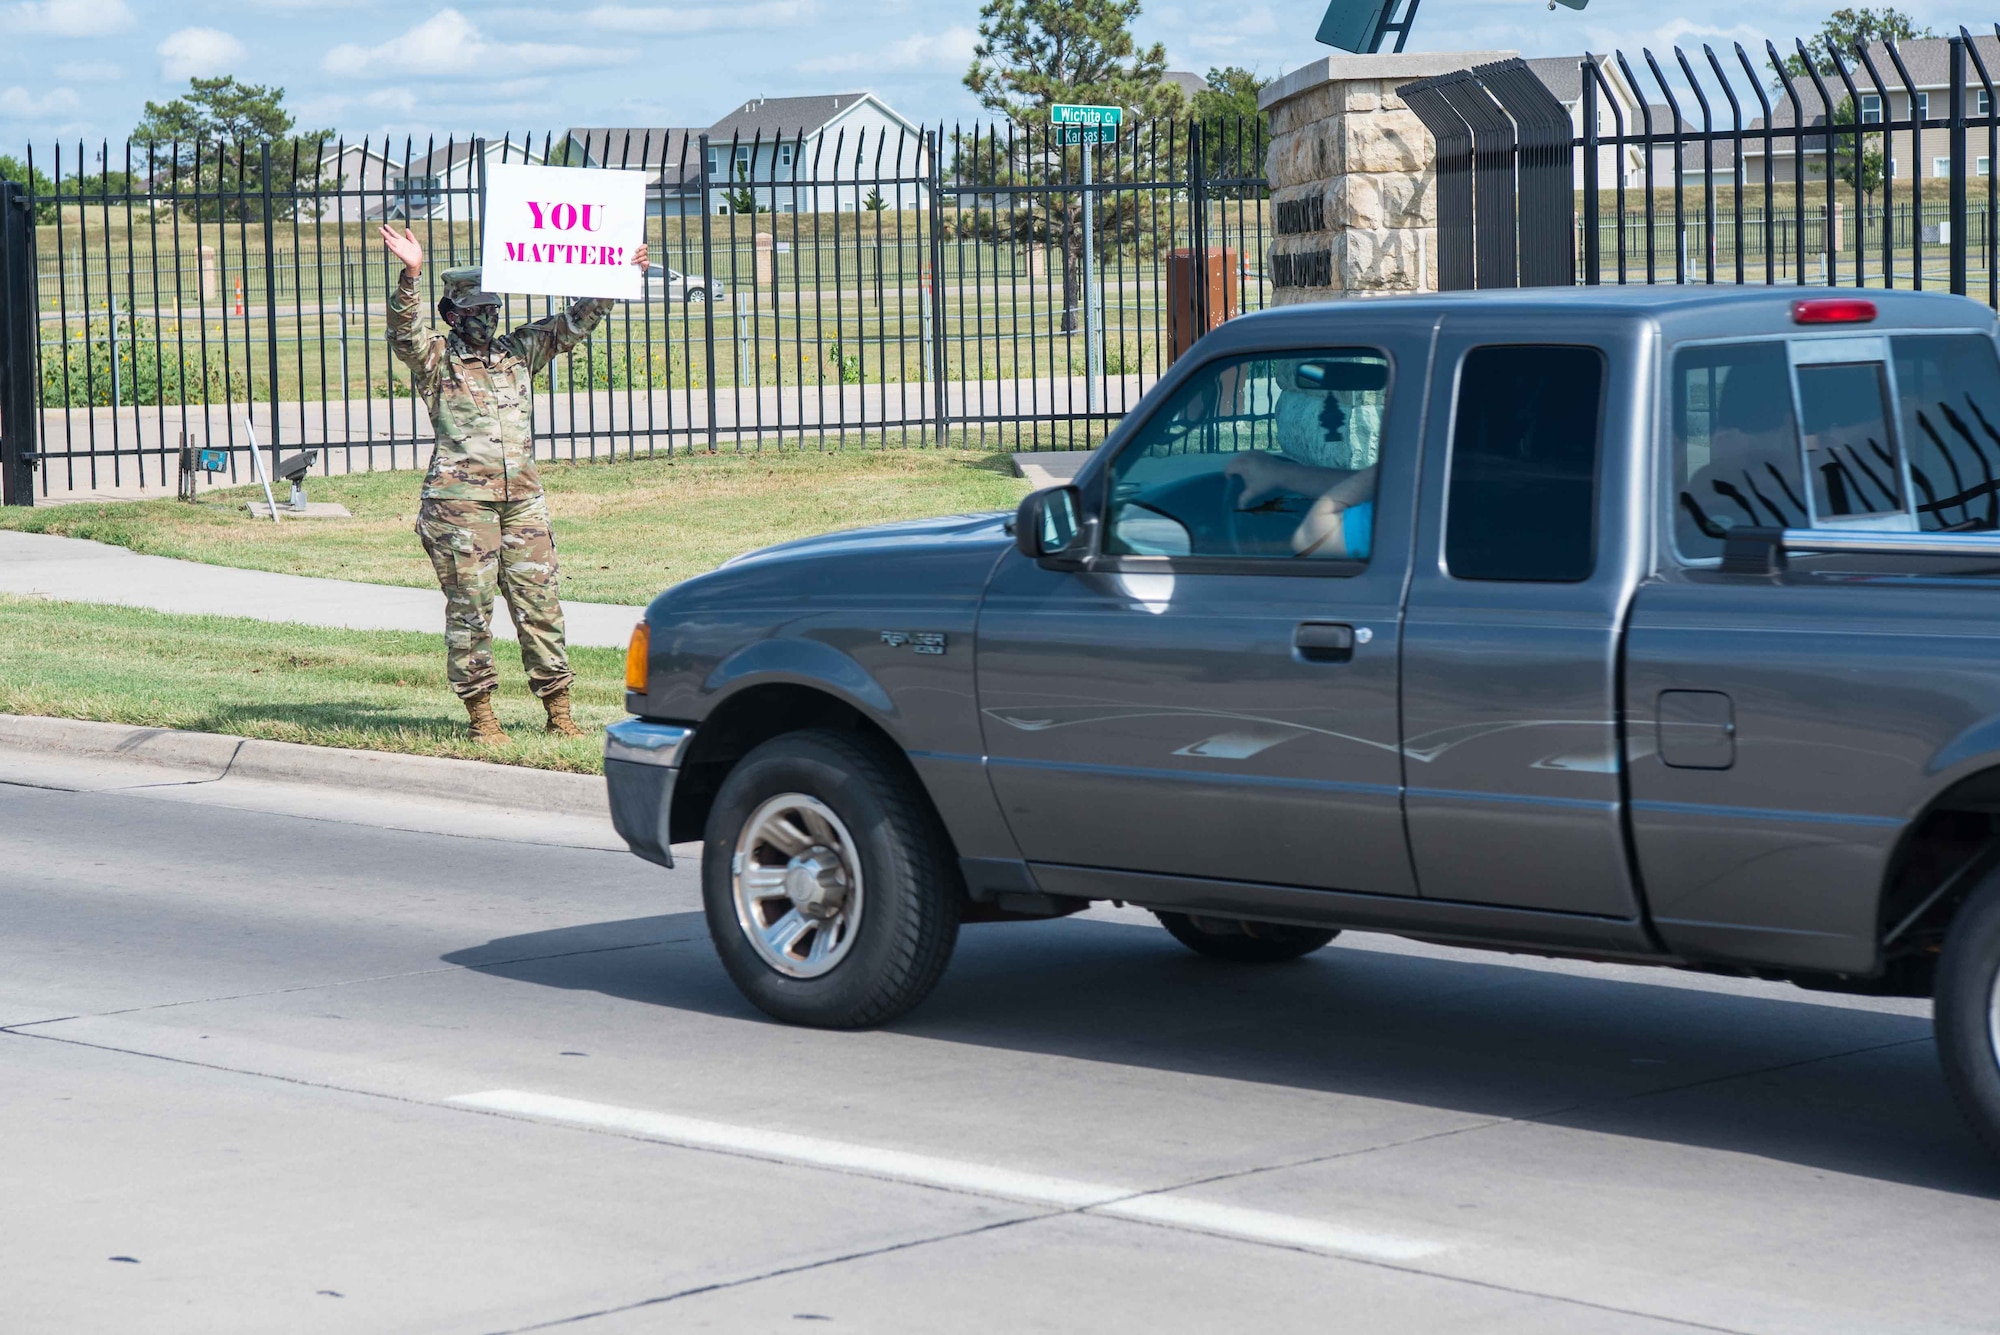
477	325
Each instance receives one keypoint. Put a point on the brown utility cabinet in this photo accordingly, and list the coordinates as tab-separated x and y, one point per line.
1187	269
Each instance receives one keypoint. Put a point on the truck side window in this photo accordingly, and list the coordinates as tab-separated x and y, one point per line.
1950	390
1736	445
1522	499
1850	454
1271	456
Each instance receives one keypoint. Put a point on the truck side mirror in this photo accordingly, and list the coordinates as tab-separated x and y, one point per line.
1051	529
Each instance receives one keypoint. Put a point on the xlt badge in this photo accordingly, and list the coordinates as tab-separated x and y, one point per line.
919	641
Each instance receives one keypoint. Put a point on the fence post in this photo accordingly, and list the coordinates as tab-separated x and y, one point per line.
1957	220
1198	228
1593	244
20	401
270	297
940	398
708	276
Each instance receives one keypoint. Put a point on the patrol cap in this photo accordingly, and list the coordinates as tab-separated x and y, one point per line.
462	290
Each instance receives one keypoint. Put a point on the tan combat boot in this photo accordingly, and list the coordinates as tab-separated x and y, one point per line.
560	722
486	728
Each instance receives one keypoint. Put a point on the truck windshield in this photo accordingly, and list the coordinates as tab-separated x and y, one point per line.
1950	390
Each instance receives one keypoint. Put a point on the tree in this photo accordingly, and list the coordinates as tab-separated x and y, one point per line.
210	141
1236	131
741	198
38	183
1866	172
874	202
1848	29
1032	54
1231	95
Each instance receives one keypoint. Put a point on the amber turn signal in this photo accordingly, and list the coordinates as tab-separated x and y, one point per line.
637	655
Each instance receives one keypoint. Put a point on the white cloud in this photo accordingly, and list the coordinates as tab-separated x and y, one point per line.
448	45
697	18
69	18
950	49
89	71
21	104
194	53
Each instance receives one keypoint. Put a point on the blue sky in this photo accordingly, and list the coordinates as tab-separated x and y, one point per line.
84	68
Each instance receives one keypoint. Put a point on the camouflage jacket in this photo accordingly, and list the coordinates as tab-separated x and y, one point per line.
482	405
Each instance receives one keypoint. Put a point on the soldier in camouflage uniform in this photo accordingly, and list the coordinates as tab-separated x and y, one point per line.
483	520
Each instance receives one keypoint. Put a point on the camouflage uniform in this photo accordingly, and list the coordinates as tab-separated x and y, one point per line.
483	520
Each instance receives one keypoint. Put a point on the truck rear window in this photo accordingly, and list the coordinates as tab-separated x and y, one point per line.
1950	390
1744	458
1522	503
1736	444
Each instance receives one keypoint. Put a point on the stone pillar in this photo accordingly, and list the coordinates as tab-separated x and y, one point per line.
767	259
1353	177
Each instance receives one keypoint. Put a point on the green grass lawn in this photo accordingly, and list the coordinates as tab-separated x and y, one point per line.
624	530
361	690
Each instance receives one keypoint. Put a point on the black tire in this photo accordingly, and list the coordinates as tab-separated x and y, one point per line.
694	294
1242	942
908	919
1967	1011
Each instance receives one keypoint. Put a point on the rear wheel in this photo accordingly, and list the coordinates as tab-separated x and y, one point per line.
828	884
1967	1011
1243	942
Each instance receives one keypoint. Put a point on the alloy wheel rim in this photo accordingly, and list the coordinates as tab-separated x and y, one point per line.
796	876
1993	1019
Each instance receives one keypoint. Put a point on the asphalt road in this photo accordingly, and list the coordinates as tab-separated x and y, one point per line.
307	1072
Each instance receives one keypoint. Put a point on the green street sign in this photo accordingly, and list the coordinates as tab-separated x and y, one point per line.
1067	135
1063	113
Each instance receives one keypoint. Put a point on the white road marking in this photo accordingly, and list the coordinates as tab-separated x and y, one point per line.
1284	1230
1180	1212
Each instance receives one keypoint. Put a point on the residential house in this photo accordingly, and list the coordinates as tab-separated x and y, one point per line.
841	137
670	156
1909	153
356	181
819	154
1618	104
1189	83
444	183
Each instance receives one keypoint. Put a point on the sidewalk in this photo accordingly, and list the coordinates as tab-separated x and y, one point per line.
72	570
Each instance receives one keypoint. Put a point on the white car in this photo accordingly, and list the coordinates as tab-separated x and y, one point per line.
664	284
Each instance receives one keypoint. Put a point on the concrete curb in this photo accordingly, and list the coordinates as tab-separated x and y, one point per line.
376	773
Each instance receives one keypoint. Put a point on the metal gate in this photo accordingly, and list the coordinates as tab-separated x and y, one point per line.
1504	194
878	286
1875	166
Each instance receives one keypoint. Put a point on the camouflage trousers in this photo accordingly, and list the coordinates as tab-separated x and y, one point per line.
482	547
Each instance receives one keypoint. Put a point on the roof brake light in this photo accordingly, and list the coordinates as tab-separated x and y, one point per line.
1833	310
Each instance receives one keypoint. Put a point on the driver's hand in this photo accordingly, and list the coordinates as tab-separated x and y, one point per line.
1260	480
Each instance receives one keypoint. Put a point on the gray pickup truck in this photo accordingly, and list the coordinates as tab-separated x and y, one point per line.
1653	626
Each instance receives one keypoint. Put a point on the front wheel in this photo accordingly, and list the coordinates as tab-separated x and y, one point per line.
695	294
1967	1011
1243	942
827	882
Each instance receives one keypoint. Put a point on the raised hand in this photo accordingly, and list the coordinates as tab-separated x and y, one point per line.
639	258
406	248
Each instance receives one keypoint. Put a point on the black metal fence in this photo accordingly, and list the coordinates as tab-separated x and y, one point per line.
880	284
1871	167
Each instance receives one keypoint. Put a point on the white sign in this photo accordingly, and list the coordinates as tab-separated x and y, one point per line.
563	231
